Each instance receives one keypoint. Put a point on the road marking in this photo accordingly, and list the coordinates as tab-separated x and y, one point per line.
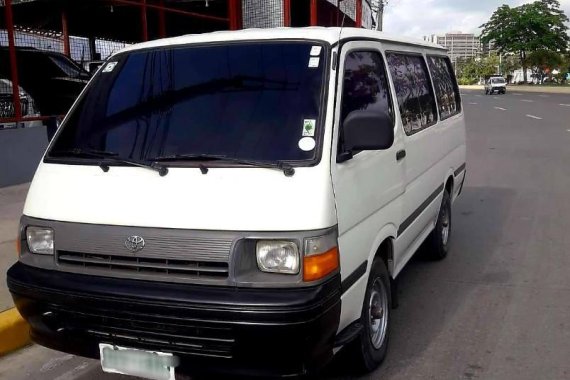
544	96
527	100
517	94
496	97
500	108
534	117
478	95
564	105
473	103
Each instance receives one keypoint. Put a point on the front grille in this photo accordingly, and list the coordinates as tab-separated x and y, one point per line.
145	265
149	332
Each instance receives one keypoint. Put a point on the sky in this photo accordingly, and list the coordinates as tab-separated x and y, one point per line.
418	18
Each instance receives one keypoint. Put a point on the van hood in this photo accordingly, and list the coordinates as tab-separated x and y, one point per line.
238	199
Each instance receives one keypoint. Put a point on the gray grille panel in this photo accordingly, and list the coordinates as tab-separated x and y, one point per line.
159	243
179	268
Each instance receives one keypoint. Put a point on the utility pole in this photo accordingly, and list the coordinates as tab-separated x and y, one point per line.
380	16
378	7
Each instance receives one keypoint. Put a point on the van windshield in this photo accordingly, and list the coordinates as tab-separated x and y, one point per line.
250	101
498	80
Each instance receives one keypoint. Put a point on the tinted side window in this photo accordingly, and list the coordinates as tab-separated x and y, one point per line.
413	90
365	86
445	85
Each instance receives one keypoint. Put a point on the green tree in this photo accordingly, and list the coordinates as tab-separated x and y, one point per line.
544	61
509	64
469	71
527	28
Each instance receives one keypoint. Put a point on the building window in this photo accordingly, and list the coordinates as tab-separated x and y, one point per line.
446	90
413	91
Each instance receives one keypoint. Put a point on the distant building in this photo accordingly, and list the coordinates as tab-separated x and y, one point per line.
460	46
488	49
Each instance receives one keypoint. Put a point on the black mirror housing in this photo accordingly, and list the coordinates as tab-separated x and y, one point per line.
368	130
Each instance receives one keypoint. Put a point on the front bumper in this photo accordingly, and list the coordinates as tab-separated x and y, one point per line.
263	332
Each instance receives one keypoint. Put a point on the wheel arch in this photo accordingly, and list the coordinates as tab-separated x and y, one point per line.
383	247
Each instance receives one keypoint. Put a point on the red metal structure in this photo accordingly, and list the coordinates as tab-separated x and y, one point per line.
314	13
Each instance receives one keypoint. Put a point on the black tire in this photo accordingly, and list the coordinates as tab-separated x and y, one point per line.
437	242
366	356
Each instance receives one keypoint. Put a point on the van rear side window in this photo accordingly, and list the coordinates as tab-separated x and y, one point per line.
413	90
446	90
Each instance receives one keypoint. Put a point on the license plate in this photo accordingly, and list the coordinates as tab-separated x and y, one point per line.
129	361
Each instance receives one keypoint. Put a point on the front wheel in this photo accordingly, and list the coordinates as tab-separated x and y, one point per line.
370	348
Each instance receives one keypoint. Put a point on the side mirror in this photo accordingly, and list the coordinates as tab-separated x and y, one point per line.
368	130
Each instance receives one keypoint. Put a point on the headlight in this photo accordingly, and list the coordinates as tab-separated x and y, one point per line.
40	240
277	256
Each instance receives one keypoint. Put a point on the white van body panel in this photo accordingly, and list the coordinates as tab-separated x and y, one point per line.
375	193
248	199
368	190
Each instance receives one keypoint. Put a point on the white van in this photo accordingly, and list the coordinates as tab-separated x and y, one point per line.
241	202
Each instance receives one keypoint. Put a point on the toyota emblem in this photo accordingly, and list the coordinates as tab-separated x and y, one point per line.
134	243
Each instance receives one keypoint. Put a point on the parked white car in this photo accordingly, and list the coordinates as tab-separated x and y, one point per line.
241	202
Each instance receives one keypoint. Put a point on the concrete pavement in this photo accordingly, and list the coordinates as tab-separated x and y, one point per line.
499	306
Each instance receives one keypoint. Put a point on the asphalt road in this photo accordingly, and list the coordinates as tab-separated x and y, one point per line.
499	306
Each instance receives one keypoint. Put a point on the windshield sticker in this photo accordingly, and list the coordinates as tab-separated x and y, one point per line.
309	127
306	144
110	66
314	62
315	51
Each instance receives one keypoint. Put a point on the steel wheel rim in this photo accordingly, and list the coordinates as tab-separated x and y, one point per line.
445	226
378	313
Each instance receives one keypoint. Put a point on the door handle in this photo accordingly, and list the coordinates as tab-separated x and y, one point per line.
400	154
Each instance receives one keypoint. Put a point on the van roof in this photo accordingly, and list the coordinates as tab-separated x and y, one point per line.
330	35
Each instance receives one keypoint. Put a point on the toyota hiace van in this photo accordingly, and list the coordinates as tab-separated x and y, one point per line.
241	202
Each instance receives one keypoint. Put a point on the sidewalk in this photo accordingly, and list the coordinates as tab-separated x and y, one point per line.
13	329
11	204
537	88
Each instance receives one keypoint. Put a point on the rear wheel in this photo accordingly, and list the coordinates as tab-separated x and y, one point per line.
369	350
438	240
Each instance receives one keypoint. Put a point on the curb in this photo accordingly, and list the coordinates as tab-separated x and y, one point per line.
14	331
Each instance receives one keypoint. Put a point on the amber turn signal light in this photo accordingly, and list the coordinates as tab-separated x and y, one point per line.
19	246
318	266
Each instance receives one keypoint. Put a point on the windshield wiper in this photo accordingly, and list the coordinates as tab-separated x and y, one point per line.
287	169
86	152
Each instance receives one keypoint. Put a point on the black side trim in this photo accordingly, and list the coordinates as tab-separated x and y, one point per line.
459	170
410	219
353	277
350	333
